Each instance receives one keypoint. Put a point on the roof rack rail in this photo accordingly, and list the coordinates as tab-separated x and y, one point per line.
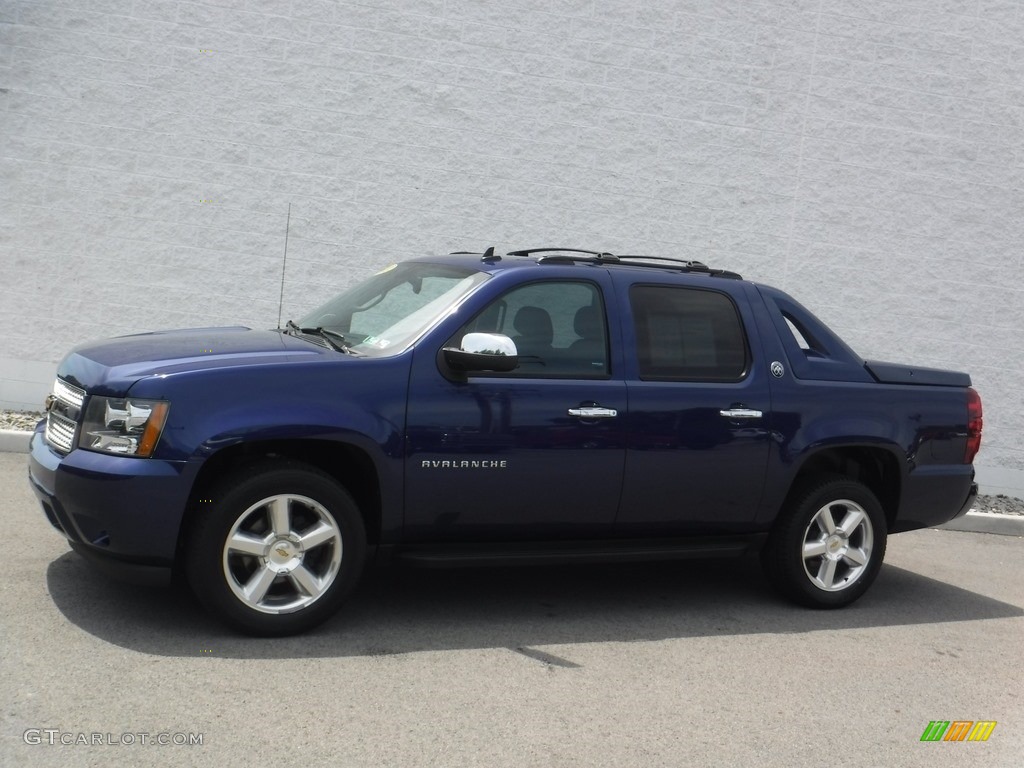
530	251
691	263
680	265
563	255
581	255
684	265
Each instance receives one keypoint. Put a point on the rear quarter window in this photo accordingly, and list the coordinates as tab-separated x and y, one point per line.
687	334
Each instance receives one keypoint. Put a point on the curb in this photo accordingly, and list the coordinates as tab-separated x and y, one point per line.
14	441
987	522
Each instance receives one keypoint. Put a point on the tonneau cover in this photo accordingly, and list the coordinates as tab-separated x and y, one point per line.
895	373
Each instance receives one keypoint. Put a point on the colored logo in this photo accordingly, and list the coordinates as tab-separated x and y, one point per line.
958	730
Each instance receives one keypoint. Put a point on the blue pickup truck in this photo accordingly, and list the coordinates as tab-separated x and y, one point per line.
539	406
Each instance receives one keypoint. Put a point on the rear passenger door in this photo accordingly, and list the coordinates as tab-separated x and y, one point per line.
697	438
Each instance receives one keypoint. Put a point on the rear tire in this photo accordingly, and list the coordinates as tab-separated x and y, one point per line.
828	544
276	549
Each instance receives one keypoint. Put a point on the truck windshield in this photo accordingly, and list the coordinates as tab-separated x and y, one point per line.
385	314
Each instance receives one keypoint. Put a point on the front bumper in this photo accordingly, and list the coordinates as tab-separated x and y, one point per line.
123	514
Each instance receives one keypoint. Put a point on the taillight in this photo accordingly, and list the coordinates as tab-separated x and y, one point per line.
974	422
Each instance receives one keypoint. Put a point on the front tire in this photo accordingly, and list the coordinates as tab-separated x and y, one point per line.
276	549
828	544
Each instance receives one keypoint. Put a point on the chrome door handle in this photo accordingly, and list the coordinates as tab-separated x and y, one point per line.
593	412
741	413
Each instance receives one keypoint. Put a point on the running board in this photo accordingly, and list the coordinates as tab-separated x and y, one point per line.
553	553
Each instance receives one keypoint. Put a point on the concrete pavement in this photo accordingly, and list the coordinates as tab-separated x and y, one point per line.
678	664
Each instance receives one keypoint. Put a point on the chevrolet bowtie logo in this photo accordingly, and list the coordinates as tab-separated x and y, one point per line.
282	551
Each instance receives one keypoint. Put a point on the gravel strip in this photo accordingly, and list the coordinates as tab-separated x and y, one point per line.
1003	505
1000	505
24	421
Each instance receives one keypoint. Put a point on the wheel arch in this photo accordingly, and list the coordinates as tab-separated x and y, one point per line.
349	465
875	467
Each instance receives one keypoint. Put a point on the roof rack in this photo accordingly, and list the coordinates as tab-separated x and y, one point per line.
531	251
580	255
564	255
683	265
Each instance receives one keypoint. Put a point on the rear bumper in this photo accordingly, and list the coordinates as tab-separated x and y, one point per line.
972	494
935	495
123	514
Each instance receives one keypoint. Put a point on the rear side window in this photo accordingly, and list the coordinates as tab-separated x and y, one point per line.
687	334
803	337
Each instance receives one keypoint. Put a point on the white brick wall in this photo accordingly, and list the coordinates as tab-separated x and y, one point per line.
863	155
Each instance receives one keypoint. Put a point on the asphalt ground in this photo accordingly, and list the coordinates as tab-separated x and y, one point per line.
693	664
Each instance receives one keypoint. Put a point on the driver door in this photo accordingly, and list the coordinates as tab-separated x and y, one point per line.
536	453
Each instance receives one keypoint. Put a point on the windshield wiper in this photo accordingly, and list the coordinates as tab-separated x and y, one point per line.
336	340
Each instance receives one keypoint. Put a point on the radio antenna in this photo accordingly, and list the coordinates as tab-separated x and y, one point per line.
284	263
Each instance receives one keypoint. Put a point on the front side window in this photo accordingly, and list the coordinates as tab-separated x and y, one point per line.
687	334
388	312
558	327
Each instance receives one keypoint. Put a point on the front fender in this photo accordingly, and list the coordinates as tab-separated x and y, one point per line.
341	399
359	402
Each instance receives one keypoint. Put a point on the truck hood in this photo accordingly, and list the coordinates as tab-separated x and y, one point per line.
111	366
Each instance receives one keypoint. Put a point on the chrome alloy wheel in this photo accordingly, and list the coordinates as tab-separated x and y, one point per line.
837	545
282	554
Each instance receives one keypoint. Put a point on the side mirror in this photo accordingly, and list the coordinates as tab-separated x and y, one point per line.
483	352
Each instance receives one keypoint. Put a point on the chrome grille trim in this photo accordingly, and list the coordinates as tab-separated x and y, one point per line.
60	431
64	410
68	393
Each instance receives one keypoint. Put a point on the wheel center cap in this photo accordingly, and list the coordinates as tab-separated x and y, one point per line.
282	552
835	546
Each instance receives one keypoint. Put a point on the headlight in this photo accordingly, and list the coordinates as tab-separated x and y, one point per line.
127	426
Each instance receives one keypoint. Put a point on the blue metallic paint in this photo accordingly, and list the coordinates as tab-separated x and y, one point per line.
669	463
122	507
